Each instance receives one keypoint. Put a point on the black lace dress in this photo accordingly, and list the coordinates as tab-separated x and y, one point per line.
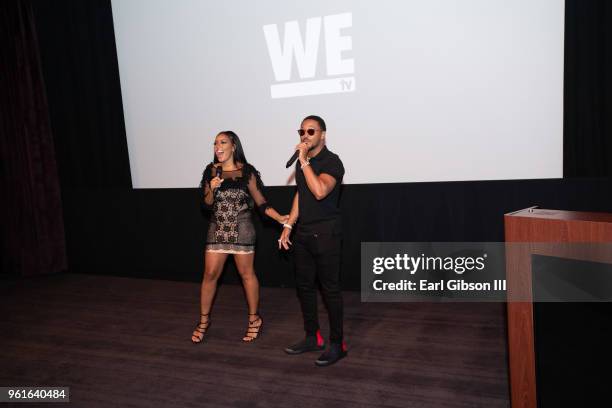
231	227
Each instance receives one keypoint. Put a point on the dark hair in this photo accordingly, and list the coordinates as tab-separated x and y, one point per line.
239	152
319	120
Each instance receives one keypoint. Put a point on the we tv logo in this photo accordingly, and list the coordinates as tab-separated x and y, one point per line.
305	50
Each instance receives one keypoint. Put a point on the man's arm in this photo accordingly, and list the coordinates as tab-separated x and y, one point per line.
295	211
320	186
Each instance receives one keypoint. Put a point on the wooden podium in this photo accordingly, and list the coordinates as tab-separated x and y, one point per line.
536	227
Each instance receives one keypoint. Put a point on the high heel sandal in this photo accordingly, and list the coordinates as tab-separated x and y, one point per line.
253	332
201	328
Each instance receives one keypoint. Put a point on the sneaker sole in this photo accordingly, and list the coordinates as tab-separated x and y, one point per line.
295	352
319	363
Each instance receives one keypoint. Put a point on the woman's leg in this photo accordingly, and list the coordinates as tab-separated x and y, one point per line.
246	269
213	266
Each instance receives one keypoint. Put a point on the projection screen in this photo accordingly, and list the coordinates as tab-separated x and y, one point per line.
411	91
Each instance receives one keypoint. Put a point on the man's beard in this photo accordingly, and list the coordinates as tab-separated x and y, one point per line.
314	146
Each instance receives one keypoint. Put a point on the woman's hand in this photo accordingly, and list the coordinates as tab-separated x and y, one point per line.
215	183
283	241
282	219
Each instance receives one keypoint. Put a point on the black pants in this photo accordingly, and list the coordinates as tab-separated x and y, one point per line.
317	255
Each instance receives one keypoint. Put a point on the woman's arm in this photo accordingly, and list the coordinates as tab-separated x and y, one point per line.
272	213
209	197
255	190
209	185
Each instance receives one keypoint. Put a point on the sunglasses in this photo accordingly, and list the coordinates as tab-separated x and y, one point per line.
310	132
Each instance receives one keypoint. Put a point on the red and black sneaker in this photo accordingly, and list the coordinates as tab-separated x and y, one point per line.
310	343
335	353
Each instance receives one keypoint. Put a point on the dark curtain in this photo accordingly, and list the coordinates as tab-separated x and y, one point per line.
32	222
587	150
79	63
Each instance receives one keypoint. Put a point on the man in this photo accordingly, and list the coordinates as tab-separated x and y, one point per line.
318	239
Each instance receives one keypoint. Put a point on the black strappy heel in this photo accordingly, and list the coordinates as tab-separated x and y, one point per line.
253	330
201	328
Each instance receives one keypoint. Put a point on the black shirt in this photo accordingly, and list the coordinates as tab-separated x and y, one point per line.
317	214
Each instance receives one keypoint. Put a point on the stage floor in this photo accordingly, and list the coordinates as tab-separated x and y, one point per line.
126	342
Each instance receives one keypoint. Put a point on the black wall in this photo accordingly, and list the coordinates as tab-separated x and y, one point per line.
159	233
112	229
587	100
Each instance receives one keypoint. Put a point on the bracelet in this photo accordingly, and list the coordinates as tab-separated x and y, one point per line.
305	164
287	226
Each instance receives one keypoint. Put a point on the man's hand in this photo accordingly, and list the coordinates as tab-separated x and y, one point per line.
303	149
283	241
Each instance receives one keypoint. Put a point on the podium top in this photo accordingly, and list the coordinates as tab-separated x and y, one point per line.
562	215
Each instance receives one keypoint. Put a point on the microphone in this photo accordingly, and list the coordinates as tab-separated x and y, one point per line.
293	158
218	173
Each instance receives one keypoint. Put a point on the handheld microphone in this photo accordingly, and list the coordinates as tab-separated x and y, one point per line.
293	158
218	173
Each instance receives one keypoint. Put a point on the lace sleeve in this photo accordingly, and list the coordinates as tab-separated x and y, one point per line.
205	185
255	186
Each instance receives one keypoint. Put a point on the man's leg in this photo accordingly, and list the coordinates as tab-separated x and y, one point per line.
328	267
305	276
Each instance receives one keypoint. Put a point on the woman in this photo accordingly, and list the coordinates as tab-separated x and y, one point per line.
230	185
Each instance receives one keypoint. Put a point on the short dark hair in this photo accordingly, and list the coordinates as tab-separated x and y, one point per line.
319	120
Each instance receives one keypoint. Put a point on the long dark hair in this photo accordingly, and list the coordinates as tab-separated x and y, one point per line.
238	152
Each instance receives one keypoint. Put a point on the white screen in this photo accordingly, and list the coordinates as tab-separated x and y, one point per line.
411	91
